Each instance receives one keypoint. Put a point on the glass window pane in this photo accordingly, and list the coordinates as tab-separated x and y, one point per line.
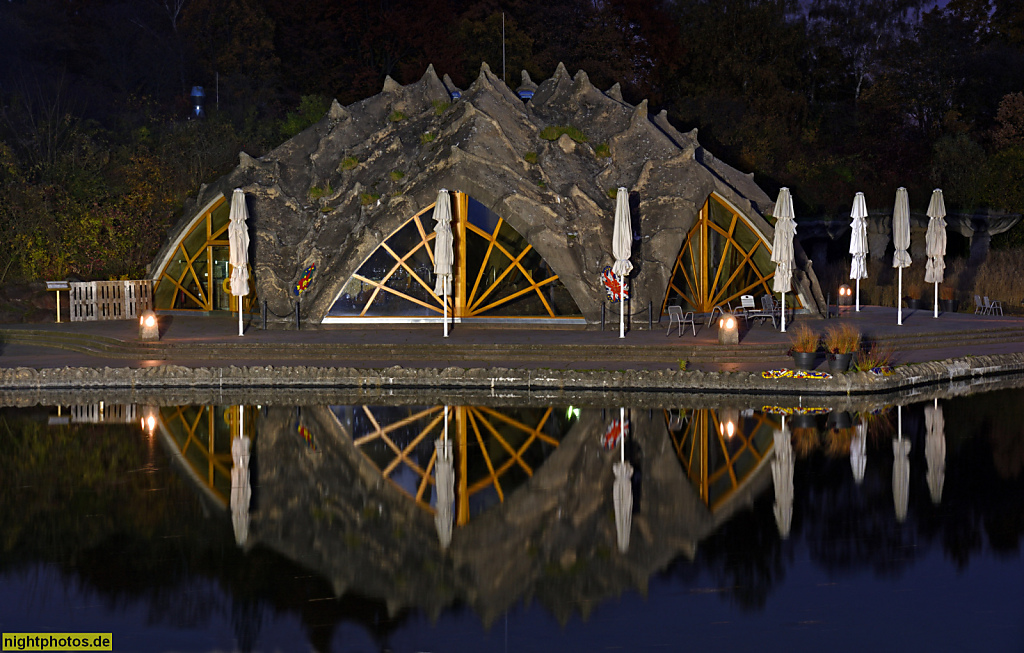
221	271
352	299
482	217
378	265
196	239
219	218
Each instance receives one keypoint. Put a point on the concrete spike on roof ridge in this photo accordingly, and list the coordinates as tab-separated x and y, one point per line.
391	86
488	80
615	92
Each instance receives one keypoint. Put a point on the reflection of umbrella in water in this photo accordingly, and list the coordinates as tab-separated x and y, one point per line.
241	491
858	451
901	471
935	449
622	492
444	471
782	475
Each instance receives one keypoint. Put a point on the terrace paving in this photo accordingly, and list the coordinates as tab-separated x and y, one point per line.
205	341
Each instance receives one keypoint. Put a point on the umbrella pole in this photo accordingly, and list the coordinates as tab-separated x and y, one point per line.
239	316
622	308
446	422
783	311
858	295
936	304
445	303
899	299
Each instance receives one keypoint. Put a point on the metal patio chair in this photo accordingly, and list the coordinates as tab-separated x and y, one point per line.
991	307
979	308
676	316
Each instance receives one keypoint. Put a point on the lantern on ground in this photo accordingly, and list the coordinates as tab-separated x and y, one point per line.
149	326
728	330
845	295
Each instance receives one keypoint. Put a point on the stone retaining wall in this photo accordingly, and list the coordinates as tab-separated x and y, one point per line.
498	380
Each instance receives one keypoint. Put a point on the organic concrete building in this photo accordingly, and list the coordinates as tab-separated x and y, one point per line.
341	213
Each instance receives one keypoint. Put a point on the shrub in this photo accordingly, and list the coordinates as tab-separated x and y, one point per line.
440	107
348	163
613	193
531	157
843	339
368	198
803	339
426	137
310	110
682	364
554	132
396	175
396	116
602	151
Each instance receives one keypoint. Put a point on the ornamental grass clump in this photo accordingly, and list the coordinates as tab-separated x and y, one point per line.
876	356
842	339
803	340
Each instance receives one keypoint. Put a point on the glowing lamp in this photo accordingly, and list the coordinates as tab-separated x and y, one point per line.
728	330
149	326
845	295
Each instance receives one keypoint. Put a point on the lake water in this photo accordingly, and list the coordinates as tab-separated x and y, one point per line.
404	525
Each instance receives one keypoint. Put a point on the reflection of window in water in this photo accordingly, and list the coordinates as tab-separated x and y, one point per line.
500	448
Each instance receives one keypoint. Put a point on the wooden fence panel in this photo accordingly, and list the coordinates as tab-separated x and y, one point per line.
110	300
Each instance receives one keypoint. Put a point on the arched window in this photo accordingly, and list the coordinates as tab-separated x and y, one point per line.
498	275
723	257
195	275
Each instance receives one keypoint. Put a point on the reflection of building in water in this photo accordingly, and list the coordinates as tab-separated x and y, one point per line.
350	492
719	449
200	439
494	450
102	413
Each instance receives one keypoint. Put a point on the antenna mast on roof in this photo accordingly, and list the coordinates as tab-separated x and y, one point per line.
503	48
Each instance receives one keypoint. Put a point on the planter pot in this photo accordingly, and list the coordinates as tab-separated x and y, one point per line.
805	360
949	305
916	304
839	362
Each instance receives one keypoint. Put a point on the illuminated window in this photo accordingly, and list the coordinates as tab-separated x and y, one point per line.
722	258
497	272
197	275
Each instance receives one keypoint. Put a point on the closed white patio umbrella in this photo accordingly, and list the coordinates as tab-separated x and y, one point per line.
935	243
901	241
622	243
935	449
859	241
782	476
782	247
238	241
444	253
